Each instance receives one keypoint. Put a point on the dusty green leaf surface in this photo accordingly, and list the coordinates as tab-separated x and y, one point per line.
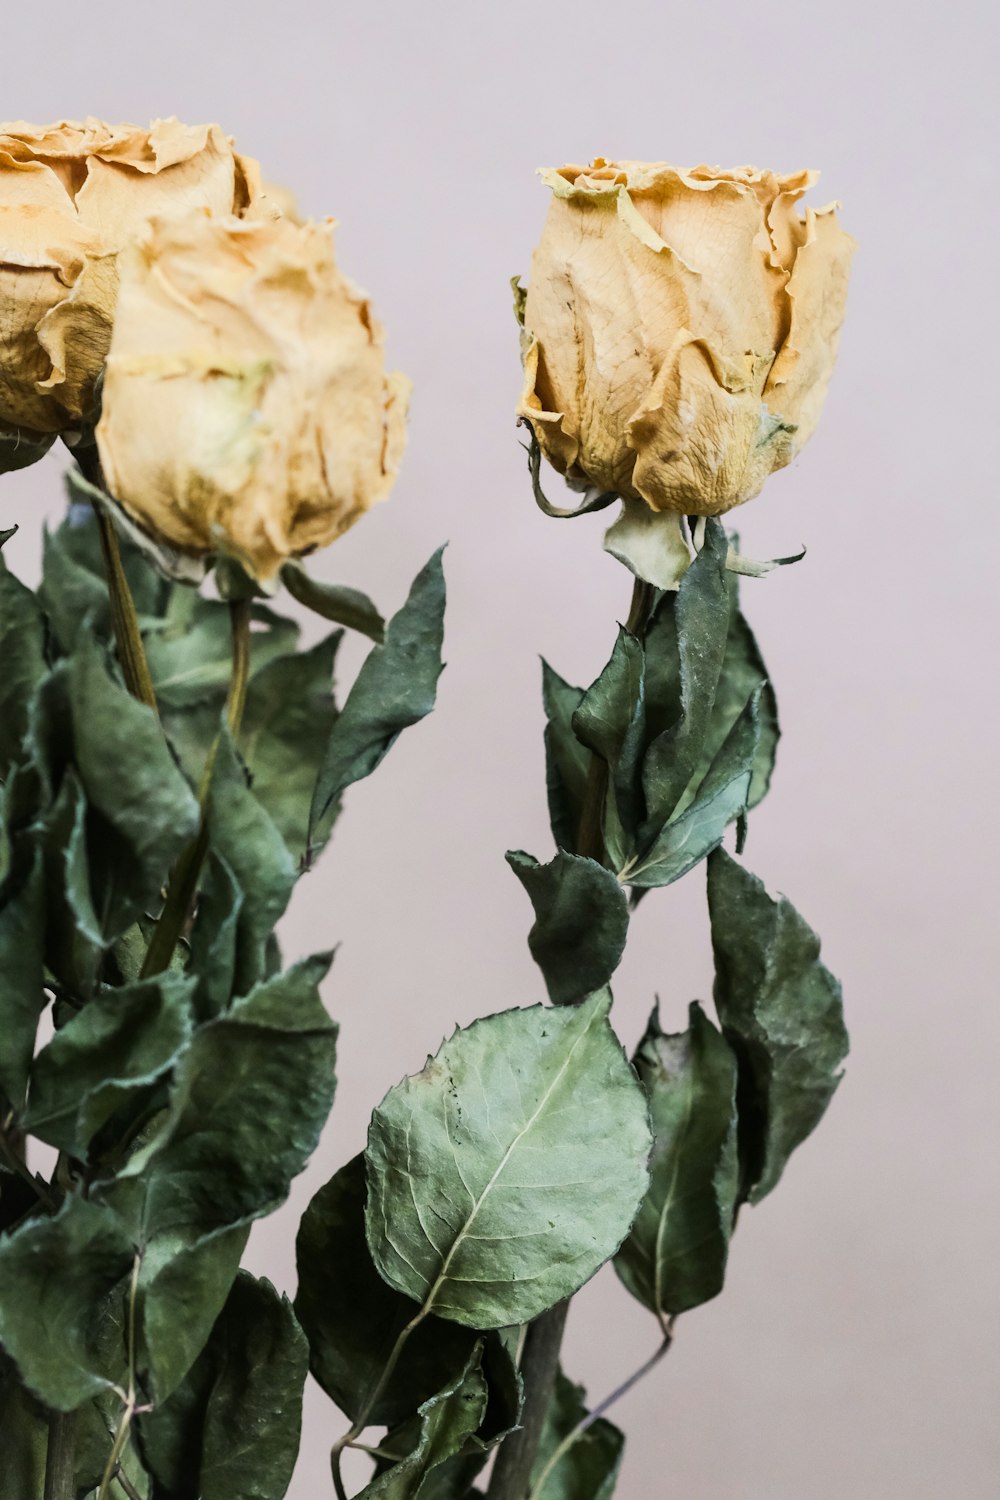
567	760
589	1468
334	601
395	688
250	1096
581	922
675	1255
231	1429
781	1011
55	1277
121	1041
503	1175
22	998
446	1422
351	1316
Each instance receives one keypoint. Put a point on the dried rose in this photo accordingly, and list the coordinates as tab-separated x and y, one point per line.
246	407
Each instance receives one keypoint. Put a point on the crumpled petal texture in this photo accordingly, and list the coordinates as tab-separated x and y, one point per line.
681	328
71	196
246	408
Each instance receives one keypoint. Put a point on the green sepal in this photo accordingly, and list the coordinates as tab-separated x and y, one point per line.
334	601
675	1255
581	922
782	1014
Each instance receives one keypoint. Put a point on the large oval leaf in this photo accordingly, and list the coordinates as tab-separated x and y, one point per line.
509	1170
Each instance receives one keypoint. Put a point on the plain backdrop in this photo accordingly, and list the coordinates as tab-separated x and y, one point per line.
855	1352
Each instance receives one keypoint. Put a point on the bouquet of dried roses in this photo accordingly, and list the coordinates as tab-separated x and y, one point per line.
172	761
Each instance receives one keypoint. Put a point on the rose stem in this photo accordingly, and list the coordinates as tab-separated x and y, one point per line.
124	617
184	880
60	1456
540	1361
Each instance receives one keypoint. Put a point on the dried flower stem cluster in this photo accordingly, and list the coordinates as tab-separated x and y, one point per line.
172	762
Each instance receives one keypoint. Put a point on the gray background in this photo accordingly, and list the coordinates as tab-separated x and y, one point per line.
855	1350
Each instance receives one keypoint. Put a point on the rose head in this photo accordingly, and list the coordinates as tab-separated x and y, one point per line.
680	329
246	408
71	196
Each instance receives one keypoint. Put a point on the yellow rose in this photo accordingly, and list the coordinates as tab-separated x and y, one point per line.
680	329
71	196
246	407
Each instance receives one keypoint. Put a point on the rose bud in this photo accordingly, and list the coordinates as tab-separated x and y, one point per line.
246	407
71	196
680	330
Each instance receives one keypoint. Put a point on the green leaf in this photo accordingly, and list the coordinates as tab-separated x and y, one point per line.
55	1277
231	1430
118	1044
589	1467
249	1099
651	543
722	798
782	1014
502	1176
447	1420
215	933
581	922
675	1256
183	1289
701	622
143	813
22	631
190	649
23	1436
743	673
351	1317
567	761
334	601
287	723
611	721
395	688
243	834
22	993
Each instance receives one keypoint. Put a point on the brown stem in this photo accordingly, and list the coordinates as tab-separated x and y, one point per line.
539	1368
60	1457
540	1361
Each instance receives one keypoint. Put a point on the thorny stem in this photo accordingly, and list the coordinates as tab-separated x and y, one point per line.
592	1416
124	617
184	880
540	1361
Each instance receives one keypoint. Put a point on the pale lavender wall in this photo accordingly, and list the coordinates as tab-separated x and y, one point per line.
855	1351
